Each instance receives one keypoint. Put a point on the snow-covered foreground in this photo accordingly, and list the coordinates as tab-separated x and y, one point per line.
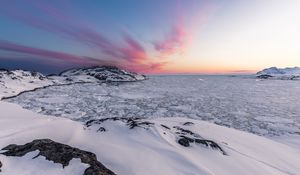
267	107
168	138
150	150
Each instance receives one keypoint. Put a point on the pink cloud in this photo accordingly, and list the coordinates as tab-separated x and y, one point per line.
60	23
133	50
8	46
145	67
174	41
131	54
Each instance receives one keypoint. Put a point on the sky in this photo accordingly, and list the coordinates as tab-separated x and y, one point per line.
150	36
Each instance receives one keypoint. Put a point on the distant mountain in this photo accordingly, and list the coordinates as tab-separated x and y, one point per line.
13	82
289	73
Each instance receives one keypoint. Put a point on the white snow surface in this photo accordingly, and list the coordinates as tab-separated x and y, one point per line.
144	151
281	73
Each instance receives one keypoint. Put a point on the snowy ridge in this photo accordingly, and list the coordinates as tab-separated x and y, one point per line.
13	82
16	81
153	148
289	73
105	73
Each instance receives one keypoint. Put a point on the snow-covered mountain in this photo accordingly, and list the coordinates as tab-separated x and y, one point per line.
13	82
104	73
289	73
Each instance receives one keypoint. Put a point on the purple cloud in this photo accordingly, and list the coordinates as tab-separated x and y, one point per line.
130	55
173	42
60	23
16	48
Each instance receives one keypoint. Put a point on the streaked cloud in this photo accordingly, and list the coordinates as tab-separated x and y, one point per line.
17	48
174	41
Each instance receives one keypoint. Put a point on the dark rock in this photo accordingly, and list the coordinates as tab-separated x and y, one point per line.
100	77
165	126
201	141
135	123
0	165
101	129
211	144
131	122
59	153
185	131
187	138
69	79
264	76
294	77
184	142
188	123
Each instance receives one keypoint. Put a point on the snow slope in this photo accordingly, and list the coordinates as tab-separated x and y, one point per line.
289	73
150	150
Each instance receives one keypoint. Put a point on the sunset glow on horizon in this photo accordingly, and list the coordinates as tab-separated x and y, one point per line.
155	37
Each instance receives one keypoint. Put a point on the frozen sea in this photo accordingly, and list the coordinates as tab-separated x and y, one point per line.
262	107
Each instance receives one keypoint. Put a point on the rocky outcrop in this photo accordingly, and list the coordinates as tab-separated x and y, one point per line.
185	141
130	122
58	153
184	136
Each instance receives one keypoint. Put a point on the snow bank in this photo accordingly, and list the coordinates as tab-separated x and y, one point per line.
153	150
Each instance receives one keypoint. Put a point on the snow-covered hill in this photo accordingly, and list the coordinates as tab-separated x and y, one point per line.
13	82
280	73
145	146
16	81
104	73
